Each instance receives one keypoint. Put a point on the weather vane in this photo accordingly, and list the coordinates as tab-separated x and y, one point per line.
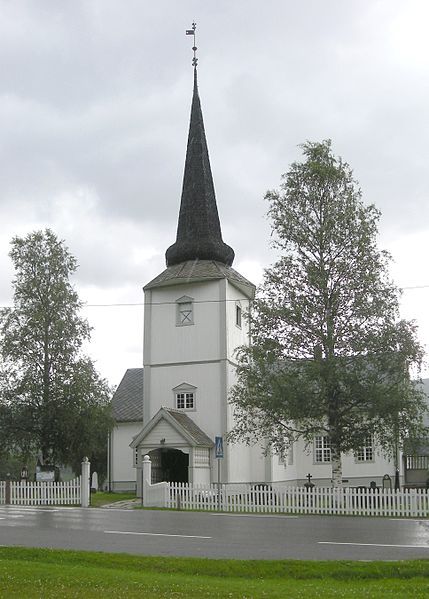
194	48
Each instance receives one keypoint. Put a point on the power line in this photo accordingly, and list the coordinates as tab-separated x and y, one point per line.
141	304
172	303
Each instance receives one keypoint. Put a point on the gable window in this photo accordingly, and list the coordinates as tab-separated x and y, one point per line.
322	449
366	452
238	315
185	311
185	397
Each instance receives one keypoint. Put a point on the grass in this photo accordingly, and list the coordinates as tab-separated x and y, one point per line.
102	498
28	573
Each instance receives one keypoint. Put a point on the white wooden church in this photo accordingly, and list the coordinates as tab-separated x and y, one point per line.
175	407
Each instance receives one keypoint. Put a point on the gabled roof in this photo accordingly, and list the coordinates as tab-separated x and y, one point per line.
127	401
198	231
181	422
201	270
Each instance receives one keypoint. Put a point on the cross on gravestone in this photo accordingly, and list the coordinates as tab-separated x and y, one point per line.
309	485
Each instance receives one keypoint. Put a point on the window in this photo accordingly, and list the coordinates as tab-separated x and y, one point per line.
322	449
185	311
238	315
366	452
185	397
185	401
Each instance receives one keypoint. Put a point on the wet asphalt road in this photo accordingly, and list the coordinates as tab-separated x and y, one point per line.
214	535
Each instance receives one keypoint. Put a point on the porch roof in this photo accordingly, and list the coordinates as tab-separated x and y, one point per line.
181	422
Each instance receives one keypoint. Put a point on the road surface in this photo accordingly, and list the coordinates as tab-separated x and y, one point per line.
151	532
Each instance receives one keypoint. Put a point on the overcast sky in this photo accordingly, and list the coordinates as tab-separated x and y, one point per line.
94	112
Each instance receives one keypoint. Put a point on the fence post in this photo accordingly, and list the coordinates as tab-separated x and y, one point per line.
7	493
85	483
146	477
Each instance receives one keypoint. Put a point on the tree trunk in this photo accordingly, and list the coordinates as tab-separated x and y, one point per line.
337	468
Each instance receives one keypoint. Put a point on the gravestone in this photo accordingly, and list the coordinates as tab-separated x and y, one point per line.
94	482
387	482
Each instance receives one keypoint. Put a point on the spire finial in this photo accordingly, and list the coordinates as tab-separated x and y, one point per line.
194	48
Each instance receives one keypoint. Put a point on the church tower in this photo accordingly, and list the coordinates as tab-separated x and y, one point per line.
193	323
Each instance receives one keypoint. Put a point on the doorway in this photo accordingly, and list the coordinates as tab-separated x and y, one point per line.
169	465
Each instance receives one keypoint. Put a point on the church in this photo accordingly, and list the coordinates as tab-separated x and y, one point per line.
175	409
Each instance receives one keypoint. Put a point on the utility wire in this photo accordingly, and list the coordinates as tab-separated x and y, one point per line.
172	303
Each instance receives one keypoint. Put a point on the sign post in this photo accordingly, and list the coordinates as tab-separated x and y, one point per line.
219	456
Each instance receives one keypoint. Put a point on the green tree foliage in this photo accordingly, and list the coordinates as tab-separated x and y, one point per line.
53	402
329	353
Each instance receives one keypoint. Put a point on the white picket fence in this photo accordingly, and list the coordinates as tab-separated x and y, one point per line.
43	493
291	500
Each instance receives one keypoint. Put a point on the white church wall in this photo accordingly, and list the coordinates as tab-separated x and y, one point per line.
283	468
170	343
122	470
245	463
163	430
355	473
207	381
364	472
236	335
238	463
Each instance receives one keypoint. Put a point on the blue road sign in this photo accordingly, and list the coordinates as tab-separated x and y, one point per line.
219	447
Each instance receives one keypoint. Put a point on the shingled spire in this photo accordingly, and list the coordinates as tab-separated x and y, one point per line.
199	234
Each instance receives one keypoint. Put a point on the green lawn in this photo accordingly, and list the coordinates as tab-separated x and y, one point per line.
51	573
101	498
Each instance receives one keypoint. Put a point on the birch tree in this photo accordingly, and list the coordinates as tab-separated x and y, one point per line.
53	402
329	354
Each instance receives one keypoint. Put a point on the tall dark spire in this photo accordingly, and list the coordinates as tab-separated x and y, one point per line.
199	234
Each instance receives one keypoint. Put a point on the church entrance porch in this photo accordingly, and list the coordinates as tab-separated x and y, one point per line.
169	464
178	449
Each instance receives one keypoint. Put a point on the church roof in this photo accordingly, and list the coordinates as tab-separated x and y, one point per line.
199	233
201	270
127	401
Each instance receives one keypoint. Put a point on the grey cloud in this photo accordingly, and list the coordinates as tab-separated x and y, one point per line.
94	108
